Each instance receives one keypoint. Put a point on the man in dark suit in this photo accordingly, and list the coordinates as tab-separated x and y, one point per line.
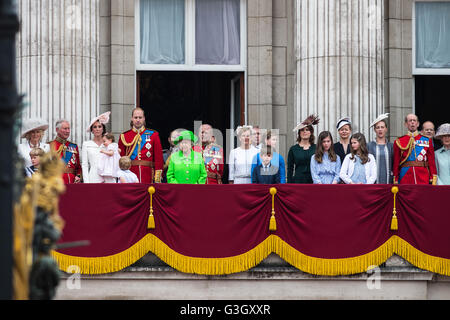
266	173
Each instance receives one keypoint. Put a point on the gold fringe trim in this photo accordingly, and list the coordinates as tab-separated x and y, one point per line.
421	260
246	261
106	264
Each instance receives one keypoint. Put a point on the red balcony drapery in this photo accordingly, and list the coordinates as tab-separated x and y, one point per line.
221	229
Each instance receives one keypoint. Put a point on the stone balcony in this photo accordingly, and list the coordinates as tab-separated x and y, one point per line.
273	279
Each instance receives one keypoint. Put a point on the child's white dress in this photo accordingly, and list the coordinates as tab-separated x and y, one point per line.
109	165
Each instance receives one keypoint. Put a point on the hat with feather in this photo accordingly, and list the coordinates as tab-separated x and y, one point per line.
311	120
103	119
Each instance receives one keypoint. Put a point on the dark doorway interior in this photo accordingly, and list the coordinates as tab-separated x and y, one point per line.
433	99
175	99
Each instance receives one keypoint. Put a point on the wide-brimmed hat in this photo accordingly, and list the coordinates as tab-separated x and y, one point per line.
103	119
33	124
186	135
310	121
380	118
443	130
342	122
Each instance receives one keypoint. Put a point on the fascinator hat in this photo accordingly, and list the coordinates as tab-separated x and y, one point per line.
443	130
380	118
309	121
103	119
33	124
241	129
342	122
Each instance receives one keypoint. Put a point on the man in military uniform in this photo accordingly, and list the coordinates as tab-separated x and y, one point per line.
414	156
67	151
143	146
212	153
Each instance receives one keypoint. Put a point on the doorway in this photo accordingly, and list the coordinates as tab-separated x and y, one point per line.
177	99
432	96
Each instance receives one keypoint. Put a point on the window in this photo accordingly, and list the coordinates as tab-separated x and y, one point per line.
431	49
190	35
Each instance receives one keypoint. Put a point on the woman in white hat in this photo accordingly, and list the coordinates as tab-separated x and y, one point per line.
91	149
342	147
33	132
442	155
382	150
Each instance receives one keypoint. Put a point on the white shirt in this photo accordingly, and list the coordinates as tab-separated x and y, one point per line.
90	153
25	148
240	164
349	165
129	176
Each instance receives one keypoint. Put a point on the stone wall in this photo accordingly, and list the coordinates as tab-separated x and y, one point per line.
399	81
118	73
271	67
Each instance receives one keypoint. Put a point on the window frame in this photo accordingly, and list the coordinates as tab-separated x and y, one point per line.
415	69
189	43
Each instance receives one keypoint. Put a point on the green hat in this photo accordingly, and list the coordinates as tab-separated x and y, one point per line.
186	135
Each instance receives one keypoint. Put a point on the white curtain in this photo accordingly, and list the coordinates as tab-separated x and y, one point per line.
433	35
162	31
217	32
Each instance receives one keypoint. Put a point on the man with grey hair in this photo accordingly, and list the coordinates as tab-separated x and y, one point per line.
414	161
67	151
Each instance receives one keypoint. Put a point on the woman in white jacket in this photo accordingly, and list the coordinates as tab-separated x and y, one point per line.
359	167
90	150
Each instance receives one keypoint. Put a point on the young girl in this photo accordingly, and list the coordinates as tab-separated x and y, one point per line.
108	162
124	174
325	164
359	167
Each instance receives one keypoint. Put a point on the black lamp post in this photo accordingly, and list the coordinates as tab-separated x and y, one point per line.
9	106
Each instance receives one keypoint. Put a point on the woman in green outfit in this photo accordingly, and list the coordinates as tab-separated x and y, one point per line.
299	156
186	166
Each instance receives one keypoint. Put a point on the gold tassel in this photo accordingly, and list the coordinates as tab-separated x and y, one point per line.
151	221
273	222
394	221
151	218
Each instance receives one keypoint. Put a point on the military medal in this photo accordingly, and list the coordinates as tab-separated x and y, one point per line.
148	154
148	145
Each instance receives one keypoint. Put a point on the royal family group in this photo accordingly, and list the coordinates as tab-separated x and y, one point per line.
137	157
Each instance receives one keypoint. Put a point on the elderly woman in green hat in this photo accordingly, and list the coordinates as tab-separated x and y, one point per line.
186	166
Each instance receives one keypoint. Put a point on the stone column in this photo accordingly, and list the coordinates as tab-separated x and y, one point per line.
399	80
260	55
340	62
57	62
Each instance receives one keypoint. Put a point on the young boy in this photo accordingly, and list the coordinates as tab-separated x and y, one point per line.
124	174
35	155
266	173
